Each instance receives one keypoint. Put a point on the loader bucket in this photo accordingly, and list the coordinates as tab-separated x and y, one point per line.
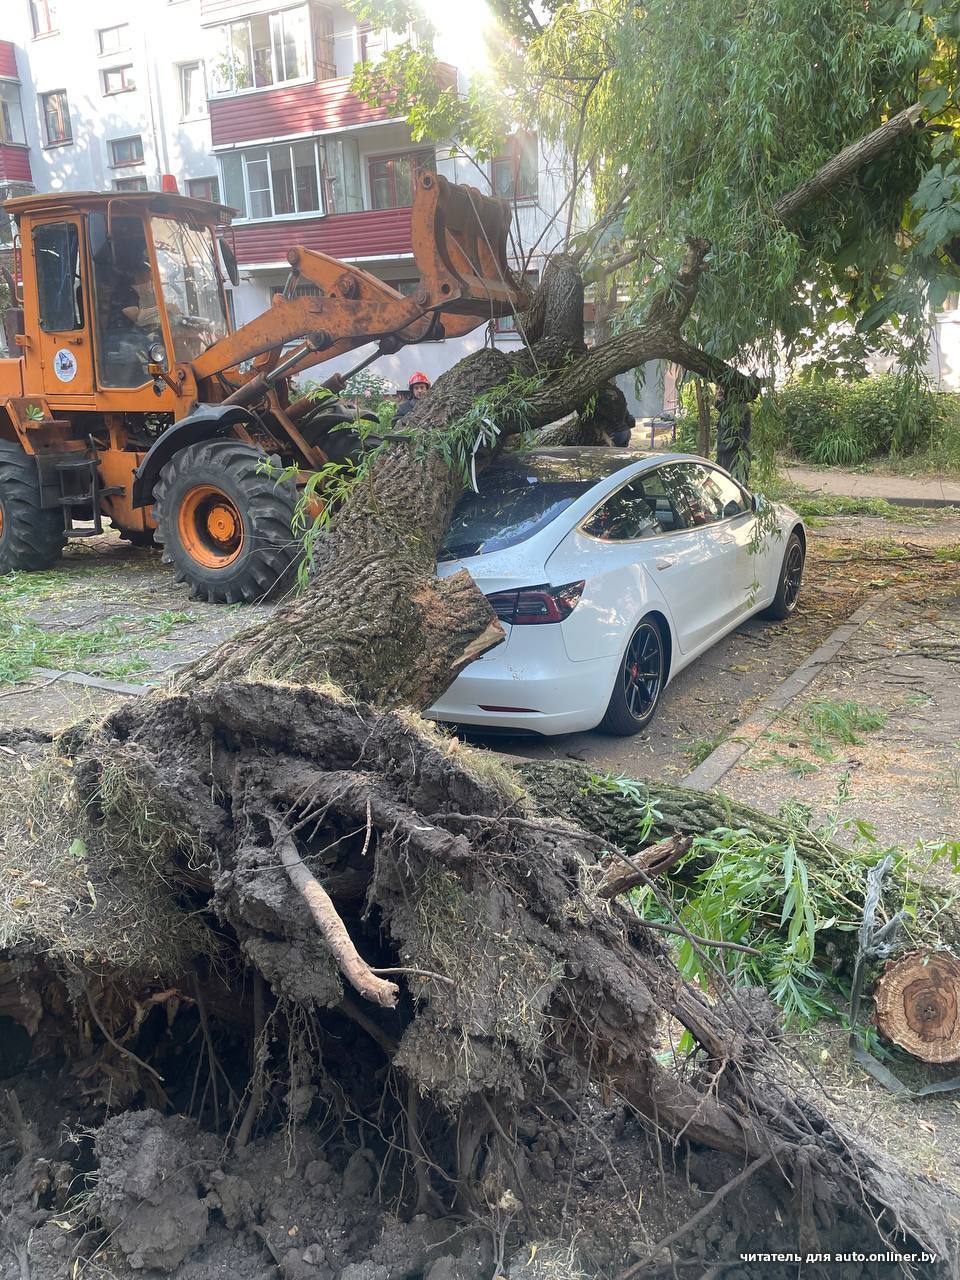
460	246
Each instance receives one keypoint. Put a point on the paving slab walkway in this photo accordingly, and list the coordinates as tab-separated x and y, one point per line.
906	490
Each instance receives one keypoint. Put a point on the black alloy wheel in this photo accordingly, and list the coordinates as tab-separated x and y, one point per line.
784	603
639	682
793	576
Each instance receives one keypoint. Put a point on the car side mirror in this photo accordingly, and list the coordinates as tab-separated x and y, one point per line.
756	502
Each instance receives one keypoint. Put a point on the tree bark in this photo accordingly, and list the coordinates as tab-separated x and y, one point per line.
703	419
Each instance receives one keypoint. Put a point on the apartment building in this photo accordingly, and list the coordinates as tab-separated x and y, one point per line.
249	102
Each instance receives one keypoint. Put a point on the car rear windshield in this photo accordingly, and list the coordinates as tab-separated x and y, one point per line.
513	504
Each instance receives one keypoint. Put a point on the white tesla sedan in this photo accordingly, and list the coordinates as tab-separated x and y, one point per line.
610	571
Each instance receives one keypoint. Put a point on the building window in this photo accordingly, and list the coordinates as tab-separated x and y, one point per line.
324	55
113	39
43	15
56	117
117	80
508	324
204	189
513	175
393	178
193	91
130	184
371	43
126	151
273	182
11	115
263	50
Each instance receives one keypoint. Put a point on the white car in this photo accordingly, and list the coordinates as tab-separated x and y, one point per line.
610	571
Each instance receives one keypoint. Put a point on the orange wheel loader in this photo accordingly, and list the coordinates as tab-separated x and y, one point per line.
130	396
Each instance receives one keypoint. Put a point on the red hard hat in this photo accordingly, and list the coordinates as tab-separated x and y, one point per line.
418	377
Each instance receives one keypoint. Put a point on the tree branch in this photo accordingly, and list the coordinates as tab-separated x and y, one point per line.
846	162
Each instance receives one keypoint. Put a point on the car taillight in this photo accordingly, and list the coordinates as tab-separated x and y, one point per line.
533	605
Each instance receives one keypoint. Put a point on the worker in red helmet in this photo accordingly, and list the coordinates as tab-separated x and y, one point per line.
419	385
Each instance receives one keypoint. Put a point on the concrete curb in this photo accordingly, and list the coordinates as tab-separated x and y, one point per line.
733	749
91	682
908	502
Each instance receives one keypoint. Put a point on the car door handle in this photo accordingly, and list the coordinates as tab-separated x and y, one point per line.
667	563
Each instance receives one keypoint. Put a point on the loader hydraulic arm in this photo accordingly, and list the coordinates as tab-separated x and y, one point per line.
459	244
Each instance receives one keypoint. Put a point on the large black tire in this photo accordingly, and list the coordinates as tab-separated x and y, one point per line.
639	683
31	538
223	524
791	576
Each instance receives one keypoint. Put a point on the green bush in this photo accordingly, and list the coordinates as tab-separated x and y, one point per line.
837	423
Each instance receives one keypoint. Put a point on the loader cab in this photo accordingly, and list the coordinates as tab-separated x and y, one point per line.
115	289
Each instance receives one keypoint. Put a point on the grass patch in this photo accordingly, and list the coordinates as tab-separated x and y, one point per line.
797	765
841	721
700	748
112	648
82	880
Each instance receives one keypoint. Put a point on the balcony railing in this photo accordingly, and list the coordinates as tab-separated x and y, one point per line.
285	111
379	233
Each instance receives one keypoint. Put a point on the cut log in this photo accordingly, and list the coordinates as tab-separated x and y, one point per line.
918	1005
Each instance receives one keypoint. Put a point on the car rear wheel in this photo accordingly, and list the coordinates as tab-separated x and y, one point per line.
791	577
224	524
636	691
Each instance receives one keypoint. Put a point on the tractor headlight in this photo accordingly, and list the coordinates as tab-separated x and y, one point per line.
156	353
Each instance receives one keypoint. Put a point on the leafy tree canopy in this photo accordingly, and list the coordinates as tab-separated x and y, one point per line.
696	116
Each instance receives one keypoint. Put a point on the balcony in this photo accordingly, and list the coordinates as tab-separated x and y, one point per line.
321	106
14	155
379	233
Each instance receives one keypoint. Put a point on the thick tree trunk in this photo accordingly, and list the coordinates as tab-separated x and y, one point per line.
375	620
734	423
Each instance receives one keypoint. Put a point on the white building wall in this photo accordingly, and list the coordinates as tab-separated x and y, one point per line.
69	59
163	34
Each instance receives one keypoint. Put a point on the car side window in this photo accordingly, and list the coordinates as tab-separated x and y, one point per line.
723	495
641	509
687	494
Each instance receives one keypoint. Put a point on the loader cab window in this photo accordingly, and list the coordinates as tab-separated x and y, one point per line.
191	287
56	249
127	315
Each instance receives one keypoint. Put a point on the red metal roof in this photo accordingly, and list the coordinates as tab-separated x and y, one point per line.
379	233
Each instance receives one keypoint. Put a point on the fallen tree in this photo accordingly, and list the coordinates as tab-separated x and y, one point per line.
354	914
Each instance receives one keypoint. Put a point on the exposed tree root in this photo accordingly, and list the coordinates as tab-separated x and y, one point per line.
423	866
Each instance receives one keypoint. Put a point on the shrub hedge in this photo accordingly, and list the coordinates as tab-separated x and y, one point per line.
839	424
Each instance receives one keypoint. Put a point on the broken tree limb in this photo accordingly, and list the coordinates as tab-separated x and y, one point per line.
656	860
349	961
848	162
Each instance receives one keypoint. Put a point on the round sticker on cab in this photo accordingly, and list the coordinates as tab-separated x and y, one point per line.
65	365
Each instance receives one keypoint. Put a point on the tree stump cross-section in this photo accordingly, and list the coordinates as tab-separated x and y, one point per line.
918	1005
